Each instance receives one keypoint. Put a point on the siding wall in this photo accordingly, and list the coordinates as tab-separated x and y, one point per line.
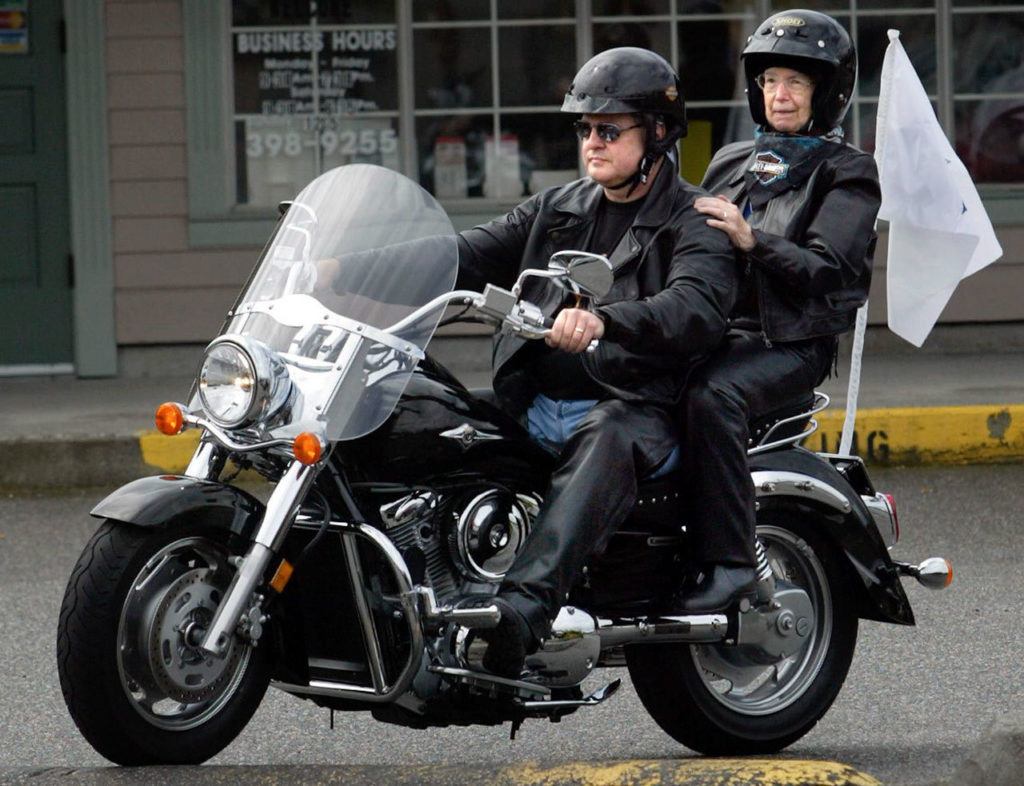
165	291
168	293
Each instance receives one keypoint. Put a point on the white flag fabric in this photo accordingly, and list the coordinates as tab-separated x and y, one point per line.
939	232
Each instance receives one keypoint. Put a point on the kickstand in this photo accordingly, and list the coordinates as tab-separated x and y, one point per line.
332	720
515	727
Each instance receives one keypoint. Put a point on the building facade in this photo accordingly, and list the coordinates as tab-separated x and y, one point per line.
147	143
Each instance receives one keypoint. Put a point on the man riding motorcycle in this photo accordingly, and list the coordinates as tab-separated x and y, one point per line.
675	282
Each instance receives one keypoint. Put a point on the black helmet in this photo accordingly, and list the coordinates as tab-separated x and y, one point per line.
630	80
814	44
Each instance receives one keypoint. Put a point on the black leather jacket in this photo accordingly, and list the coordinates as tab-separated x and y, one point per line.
675	282
815	242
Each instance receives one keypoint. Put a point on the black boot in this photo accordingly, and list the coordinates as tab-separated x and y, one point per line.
509	643
720	587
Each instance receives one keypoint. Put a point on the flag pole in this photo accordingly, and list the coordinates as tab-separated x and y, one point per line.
857	352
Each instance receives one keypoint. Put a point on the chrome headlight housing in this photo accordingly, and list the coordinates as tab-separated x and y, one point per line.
241	381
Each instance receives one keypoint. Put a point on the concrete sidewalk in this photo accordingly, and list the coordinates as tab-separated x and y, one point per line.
958	400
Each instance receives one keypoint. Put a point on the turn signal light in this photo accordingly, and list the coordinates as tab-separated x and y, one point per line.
170	420
308	448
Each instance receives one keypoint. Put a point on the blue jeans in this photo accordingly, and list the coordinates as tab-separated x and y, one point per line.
551	422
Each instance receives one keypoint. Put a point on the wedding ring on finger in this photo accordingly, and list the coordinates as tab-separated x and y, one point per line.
578	330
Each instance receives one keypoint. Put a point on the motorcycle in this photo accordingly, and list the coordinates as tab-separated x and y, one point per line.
394	491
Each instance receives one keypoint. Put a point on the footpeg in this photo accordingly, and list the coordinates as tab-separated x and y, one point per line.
469	613
595	698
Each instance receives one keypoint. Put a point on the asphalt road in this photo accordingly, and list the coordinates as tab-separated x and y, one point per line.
915	703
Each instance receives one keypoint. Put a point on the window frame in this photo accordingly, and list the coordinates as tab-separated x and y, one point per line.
214	219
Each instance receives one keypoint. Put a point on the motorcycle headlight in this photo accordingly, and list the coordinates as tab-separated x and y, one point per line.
241	380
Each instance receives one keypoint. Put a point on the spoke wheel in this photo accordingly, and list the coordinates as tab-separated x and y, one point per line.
724	699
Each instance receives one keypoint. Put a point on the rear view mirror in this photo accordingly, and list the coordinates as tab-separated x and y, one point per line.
584	273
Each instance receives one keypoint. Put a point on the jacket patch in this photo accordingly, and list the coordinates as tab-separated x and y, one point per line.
769	166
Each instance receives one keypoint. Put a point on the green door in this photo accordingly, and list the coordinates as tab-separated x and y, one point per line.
35	263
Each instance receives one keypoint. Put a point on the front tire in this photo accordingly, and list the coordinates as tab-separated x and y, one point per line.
133	677
727	700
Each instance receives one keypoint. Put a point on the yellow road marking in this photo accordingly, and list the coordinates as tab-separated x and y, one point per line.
691	772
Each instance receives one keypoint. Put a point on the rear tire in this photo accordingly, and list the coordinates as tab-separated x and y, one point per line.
133	678
728	700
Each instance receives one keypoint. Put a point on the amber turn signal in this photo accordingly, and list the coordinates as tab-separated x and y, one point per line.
307	448
170	420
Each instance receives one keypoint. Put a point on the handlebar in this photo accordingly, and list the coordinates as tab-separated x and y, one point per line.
496	304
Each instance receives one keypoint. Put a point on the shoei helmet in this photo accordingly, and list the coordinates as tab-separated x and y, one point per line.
630	80
814	44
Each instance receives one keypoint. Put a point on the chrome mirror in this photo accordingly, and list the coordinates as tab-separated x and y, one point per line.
584	273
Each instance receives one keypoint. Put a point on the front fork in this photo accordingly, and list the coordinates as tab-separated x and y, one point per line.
238	605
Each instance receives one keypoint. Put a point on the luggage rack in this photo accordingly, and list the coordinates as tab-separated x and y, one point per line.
819	402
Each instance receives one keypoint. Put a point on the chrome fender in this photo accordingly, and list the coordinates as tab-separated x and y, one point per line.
798	476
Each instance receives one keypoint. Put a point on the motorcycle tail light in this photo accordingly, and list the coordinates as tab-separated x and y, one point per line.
170	420
308	448
891	500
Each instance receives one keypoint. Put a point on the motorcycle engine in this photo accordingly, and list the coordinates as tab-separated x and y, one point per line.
468	537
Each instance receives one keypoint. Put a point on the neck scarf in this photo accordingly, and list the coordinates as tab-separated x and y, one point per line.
784	161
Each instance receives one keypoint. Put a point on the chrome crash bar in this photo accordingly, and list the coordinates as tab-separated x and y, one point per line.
381	691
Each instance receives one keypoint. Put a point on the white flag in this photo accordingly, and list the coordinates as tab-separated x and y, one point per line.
939	232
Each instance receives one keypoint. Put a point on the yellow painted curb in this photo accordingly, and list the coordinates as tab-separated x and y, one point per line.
168	454
929	435
692	772
903	436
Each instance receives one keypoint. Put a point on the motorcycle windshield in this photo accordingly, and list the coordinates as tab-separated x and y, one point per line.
359	250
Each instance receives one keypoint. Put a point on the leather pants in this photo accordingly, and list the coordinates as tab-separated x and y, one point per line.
592	492
743	381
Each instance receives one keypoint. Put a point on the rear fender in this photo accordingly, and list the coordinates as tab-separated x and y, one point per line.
159	501
797	477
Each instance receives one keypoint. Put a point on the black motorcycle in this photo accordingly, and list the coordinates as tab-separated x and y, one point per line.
396	491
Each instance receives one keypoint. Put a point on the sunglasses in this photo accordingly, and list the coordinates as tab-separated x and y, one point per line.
607	132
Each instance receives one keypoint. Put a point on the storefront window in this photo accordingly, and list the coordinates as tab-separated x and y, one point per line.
988	65
315	86
320	84
917	34
486	105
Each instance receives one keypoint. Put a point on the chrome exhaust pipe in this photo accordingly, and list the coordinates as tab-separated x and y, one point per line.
934	573
690	629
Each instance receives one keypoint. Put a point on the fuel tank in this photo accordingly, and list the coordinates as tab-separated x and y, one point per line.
440	429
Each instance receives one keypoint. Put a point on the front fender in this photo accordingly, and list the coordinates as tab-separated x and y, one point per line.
160	500
797	475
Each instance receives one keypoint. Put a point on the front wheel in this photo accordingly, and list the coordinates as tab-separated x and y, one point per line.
719	699
131	670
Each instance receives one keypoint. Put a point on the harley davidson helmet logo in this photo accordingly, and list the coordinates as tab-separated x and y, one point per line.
768	167
788	21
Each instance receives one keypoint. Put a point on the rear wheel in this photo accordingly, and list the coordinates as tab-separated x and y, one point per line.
720	699
131	669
